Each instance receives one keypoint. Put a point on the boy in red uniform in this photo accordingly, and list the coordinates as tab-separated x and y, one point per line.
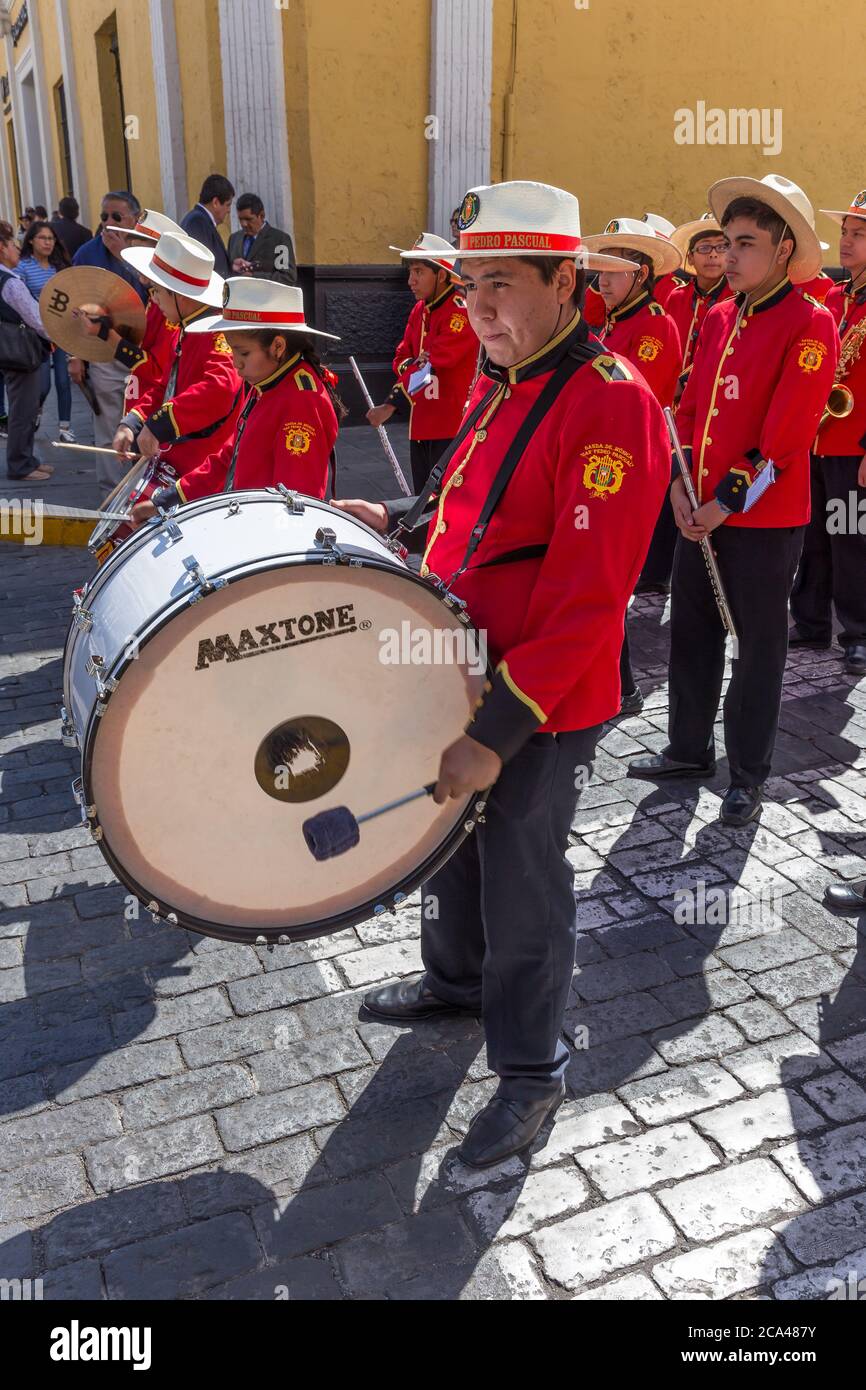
194	411
761	375
833	564
673	279
701	244
435	360
288	425
546	574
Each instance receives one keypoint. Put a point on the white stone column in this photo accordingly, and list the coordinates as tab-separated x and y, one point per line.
169	108
461	81
44	110
73	122
254	102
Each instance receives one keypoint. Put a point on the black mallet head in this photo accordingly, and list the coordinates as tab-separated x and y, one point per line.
331	833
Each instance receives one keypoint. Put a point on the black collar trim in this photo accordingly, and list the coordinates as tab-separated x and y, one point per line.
769	300
277	376
545	360
625	311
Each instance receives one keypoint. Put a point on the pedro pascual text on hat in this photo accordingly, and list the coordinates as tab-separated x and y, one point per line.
712	125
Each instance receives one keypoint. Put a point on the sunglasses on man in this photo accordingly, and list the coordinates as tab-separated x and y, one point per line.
115	216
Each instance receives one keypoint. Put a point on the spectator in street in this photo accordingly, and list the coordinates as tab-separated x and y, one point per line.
42	255
259	249
201	222
66	227
22	388
117	217
455	228
24	221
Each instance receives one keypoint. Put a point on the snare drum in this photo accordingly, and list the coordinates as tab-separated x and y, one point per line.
241	666
144	479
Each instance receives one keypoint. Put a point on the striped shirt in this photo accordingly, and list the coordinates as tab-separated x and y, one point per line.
34	275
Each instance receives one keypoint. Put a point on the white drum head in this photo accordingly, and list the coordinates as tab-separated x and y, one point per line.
263	704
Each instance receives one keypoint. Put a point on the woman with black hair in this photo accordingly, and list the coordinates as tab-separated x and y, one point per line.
288	426
42	255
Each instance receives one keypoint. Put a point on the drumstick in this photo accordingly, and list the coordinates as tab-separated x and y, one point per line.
383	435
92	449
333	832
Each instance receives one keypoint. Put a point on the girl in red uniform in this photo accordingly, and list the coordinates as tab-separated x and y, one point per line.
288	425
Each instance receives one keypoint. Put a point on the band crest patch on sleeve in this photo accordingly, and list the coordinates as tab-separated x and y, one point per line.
457	324
649	348
812	354
221	344
299	436
604	468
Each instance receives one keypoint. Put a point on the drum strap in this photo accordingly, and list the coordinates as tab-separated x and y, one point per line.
431	487
242	420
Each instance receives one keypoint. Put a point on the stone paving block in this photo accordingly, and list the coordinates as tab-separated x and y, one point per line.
648	934
377	963
758	1020
113	1221
165	1017
851	1053
379	1089
306	1280
184	1264
28	1049
241	1037
306	1060
583	1124
635	1164
831	1232
730	1266
607	979
597	1243
744	1125
154	1153
788	1059
632	1288
437	1177
840	1279
837	1095
506	1272
679	1092
608	1066
803	980
309	1220
544	1196
745	1194
23	1095
128	1066
188	1094
33	1189
831	1165
769	951
291	986
244	1180
79	1282
834	1016
65	1129
262	1118
695	1042
618	1018
716	990
232	963
357	1145
377	1264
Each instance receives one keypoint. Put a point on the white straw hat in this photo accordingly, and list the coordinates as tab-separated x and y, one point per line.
857	209
790	202
705	225
521	218
250	303
659	224
633	234
181	264
153	225
430	247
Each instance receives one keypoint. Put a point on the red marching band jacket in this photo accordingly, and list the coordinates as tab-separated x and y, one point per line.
286	432
441	329
755	394
643	333
595	312
149	363
587	490
205	399
688	307
847	437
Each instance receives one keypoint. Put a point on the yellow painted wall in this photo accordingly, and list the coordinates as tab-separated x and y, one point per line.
52	74
357	92
197	25
596	91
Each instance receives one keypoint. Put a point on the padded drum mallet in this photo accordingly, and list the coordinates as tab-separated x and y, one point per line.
333	832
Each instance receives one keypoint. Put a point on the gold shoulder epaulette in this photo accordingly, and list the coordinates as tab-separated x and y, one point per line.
812	300
655	308
610	369
304	380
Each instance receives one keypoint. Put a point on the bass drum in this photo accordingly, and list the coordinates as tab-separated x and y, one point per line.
242	666
144	479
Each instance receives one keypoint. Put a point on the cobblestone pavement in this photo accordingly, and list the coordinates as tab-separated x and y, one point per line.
185	1118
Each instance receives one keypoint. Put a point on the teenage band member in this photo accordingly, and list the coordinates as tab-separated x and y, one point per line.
701	244
195	410
761	375
435	360
548	582
666	284
639	329
288	425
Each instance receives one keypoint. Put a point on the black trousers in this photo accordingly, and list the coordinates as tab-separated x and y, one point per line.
660	557
498	922
833	564
626	675
23	394
757	568
423	454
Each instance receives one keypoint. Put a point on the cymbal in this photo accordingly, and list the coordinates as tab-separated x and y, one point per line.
89	285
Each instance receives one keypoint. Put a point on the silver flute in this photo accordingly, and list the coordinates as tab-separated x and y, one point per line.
383	435
706	546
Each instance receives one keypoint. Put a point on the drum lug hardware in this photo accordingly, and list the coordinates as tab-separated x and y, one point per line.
234	507
67	729
169	527
171	919
291	499
468	825
379	909
284	940
261	941
81	616
88	813
326	539
399	898
96	832
202	585
399	550
95	667
153	909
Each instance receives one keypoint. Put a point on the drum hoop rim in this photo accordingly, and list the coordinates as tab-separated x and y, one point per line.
160	620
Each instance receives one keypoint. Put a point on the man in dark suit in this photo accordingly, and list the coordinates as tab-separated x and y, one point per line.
259	249
201	222
67	228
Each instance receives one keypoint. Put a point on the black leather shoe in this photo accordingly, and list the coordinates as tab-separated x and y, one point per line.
855	659
740	805
408	999
846	897
633	702
796	638
660	765
505	1127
